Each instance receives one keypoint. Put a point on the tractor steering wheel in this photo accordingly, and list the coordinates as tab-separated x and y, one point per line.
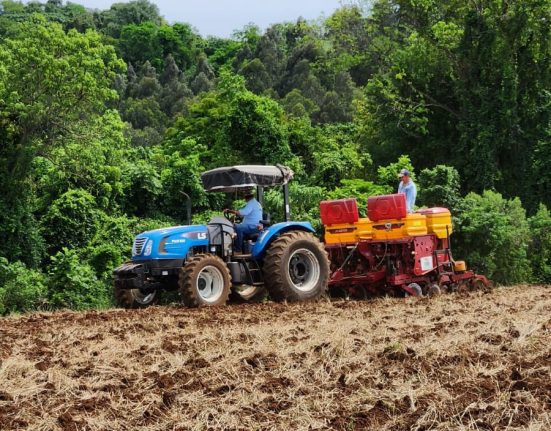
232	217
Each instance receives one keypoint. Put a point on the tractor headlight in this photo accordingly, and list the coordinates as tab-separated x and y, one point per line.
148	248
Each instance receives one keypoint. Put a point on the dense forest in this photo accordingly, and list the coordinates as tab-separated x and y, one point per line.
108	116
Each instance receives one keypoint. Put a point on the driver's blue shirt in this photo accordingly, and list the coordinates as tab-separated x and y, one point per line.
251	213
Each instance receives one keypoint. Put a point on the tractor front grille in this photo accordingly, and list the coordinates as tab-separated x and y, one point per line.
138	246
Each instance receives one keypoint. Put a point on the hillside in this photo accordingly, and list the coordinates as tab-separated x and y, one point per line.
481	361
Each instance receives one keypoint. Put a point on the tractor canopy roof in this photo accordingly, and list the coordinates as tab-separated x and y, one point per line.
232	178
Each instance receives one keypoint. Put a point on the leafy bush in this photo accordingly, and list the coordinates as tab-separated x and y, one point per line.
71	221
439	186
493	236
112	243
106	257
74	285
21	289
540	245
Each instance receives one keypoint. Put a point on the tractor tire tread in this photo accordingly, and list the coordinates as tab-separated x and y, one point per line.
273	262
125	299
187	279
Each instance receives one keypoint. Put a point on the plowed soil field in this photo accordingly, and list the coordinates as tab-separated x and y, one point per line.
480	361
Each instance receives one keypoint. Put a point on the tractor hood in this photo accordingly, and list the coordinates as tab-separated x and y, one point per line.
169	243
173	230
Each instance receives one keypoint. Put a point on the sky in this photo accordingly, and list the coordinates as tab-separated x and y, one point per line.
222	17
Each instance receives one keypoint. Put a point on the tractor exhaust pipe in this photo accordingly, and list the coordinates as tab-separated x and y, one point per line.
188	207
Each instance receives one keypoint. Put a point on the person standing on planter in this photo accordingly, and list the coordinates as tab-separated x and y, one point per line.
407	187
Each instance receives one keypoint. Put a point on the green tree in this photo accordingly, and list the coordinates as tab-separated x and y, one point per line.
142	107
348	32
96	167
221	52
112	21
257	77
175	92
201	83
138	43
71	221
509	49
463	85
540	172
237	125
255	128
143	113
148	84
181	174
539	250
271	52
296	105
52	84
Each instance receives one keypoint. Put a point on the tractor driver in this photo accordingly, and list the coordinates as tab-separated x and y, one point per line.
252	214
407	187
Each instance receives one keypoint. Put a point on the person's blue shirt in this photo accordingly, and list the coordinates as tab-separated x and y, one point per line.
251	213
410	191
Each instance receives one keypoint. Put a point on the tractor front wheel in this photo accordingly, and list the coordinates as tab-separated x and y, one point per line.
296	267
204	281
134	298
252	294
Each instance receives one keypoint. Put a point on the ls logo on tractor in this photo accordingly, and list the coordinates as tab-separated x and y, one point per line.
195	235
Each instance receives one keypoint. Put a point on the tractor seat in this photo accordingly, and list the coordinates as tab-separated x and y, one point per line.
265	222
252	236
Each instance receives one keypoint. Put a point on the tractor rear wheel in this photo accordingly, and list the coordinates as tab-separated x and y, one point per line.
204	281
296	267
134	298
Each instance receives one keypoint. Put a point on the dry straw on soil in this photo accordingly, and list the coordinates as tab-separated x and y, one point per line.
477	362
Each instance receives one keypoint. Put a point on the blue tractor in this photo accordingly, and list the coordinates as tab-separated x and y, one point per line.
285	259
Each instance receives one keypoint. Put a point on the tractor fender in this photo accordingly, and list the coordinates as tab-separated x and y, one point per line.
272	232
